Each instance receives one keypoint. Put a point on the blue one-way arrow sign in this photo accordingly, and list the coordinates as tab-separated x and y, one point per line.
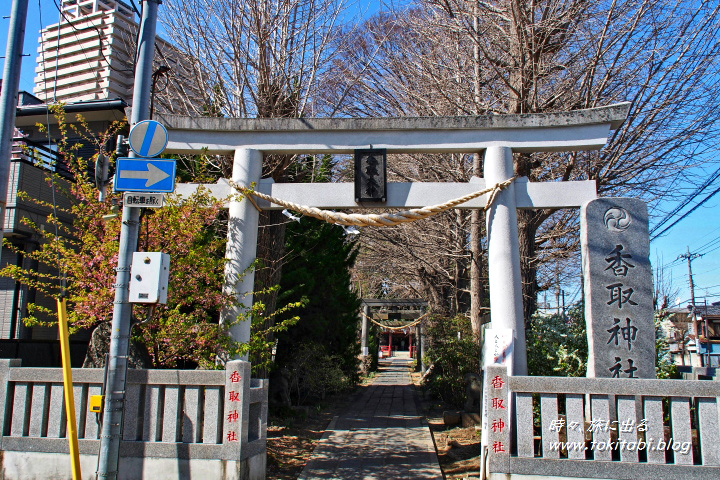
144	175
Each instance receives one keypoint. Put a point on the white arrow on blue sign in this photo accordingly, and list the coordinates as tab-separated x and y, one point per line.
148	138
144	175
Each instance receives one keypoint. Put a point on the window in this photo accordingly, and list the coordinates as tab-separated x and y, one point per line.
713	327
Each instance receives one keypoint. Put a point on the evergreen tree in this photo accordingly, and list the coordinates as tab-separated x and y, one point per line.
317	271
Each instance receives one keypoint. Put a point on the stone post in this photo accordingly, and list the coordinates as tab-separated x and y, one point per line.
5	365
418	347
236	412
364	332
423	343
497	419
617	279
365	358
241	246
506	306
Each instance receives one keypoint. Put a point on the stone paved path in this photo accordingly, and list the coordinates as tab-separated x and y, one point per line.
379	436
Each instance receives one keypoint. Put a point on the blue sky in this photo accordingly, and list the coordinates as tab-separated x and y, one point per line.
45	12
700	231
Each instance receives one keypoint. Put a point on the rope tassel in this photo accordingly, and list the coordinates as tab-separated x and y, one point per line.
373	219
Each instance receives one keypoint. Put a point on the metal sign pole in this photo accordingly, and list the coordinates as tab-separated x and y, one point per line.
120	336
9	98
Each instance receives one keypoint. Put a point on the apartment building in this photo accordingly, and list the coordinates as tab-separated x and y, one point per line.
90	55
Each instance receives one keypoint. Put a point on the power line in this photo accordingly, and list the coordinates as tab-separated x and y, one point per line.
687	200
706	248
699	249
709	243
687	213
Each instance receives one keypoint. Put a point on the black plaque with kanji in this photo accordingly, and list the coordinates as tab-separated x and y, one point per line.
370	175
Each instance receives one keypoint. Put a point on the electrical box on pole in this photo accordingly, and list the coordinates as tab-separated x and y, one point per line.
149	274
370	175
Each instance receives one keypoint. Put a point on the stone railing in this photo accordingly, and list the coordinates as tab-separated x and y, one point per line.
175	422
602	428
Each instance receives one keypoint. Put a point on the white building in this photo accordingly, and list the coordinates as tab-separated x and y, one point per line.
90	55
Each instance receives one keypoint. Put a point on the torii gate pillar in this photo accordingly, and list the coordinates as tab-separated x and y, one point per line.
241	248
506	306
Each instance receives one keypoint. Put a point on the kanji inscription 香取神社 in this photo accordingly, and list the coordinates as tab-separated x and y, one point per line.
618	288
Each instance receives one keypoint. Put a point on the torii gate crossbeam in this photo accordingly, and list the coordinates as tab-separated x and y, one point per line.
498	135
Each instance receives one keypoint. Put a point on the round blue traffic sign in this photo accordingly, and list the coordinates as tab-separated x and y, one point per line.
148	138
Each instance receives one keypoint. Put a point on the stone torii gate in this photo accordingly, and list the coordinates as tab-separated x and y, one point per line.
498	135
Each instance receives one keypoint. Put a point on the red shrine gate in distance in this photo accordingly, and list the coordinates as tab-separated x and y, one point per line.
399	324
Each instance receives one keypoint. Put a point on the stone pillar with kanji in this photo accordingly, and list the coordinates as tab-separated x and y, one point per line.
618	288
498	418
236	412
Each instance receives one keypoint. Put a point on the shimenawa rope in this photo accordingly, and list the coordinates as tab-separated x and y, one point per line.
411	324
376	220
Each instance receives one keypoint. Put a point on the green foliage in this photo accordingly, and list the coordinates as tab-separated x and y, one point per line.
317	273
83	256
261	344
557	346
451	357
77	254
314	374
373	346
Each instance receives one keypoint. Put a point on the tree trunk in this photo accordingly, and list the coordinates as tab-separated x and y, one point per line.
437	302
138	356
528	263
477	290
270	253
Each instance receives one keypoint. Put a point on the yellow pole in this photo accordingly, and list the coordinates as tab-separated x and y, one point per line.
68	388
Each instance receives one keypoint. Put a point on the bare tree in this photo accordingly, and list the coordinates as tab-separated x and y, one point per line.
256	58
427	259
387	70
518	56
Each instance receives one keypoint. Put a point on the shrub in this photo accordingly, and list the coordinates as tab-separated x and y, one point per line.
314	374
557	345
452	351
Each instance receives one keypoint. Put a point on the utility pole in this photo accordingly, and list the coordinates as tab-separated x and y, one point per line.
690	257
557	289
122	312
9	98
557	300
